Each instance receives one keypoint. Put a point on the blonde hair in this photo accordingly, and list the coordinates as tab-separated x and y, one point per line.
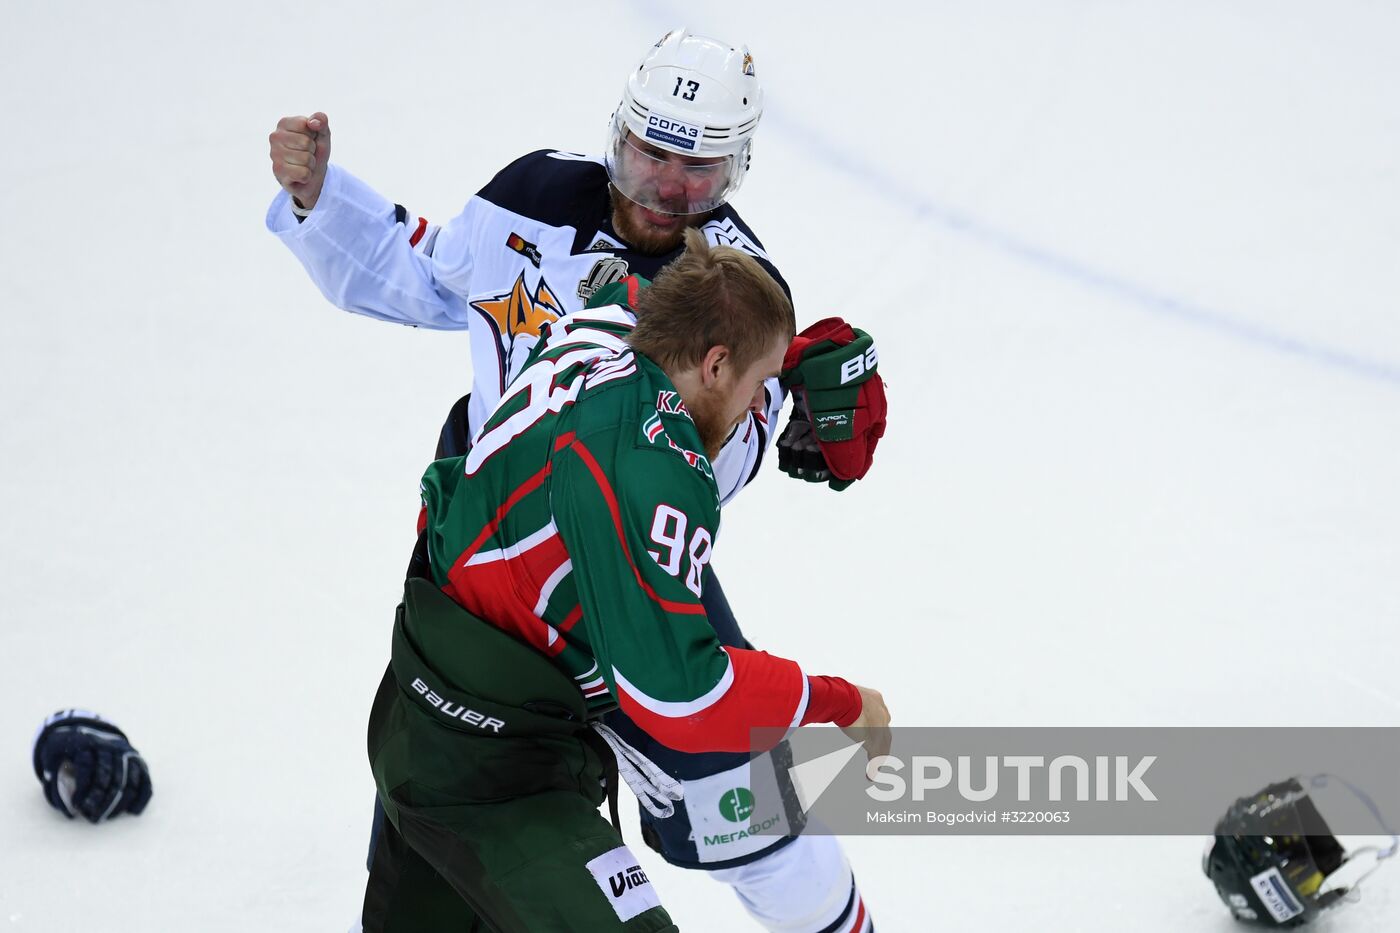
711	296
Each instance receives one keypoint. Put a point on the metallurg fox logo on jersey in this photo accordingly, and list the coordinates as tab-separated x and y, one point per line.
518	312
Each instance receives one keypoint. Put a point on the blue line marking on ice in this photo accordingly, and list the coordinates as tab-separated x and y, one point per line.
667	16
926	209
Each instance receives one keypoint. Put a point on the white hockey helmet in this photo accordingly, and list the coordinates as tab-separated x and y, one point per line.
695	97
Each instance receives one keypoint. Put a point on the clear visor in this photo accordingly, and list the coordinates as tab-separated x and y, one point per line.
1345	878
667	182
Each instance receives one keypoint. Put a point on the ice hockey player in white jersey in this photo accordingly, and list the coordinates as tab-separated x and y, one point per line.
535	244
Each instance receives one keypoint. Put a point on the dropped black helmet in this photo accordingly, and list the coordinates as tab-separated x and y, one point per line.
1273	852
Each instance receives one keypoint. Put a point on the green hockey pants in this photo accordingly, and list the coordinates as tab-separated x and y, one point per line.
491	783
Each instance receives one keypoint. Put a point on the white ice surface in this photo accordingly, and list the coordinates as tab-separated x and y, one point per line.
1134	267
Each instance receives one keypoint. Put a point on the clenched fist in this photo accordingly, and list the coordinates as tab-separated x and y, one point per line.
300	148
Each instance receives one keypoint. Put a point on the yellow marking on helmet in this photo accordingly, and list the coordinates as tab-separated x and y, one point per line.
1309	885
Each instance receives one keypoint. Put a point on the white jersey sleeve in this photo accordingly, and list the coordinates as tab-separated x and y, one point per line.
366	259
529	248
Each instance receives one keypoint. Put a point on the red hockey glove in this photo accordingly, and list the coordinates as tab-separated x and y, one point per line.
839	404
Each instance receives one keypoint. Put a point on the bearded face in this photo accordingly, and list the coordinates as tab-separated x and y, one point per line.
712	421
722	401
648	231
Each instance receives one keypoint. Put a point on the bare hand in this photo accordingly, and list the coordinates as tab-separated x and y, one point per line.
872	726
300	148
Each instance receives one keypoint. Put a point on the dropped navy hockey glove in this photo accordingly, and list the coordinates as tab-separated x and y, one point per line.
88	767
838	404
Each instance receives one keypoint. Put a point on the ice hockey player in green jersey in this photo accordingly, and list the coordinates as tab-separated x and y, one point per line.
564	566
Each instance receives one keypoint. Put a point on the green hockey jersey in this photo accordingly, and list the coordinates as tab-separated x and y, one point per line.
581	522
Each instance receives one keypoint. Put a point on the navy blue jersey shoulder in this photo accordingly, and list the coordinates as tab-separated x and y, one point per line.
727	212
564	189
571	191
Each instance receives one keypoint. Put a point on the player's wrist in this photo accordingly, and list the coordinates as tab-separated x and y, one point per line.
832	699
